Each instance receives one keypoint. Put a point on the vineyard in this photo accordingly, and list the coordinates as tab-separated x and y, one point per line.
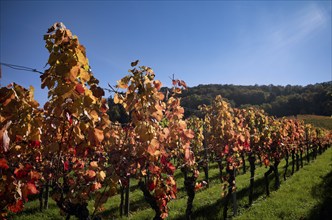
89	167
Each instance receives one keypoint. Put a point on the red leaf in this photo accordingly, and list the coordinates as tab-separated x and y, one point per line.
79	88
163	160
19	173
3	164
170	168
151	186
226	149
17	207
28	167
66	166
72	151
35	143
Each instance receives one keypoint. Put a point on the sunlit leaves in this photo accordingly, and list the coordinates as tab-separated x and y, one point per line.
76	122
73	144
159	129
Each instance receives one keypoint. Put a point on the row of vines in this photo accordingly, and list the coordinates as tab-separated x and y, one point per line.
71	151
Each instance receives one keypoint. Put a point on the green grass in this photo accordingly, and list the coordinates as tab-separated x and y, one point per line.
301	196
306	195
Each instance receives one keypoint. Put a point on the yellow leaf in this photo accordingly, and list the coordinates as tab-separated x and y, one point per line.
101	175
31	93
154	143
172	180
116	99
84	75
81	58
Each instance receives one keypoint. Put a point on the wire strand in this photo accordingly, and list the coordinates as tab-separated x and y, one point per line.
23	68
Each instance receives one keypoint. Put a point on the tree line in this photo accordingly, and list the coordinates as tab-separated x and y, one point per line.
276	100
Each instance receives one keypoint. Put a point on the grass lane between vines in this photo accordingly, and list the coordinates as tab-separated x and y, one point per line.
302	195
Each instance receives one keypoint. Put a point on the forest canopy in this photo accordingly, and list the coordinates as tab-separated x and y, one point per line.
275	100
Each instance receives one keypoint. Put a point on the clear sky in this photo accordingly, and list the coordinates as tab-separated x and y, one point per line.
201	42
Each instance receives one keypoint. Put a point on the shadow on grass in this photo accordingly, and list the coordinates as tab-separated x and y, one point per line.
215	210
323	192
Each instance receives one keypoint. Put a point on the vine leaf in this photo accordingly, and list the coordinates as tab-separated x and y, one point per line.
134	63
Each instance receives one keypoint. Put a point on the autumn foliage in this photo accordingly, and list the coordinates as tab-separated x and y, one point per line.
71	145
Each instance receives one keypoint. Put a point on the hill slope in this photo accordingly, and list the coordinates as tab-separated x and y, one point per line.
275	100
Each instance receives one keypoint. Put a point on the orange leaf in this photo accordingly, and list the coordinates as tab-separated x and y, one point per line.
157	84
189	133
241	138
160	96
177	91
94	164
99	135
154	169
154	143
95	186
32	188
198	186
35	175
187	153
90	174
266	162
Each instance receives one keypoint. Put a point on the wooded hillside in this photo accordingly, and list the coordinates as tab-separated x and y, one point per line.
275	100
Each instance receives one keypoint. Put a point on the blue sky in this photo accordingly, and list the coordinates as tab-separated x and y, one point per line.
201	42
